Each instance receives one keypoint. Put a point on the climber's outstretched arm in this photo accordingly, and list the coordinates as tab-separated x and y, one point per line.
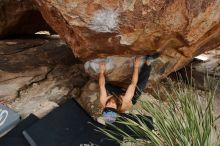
102	90
127	99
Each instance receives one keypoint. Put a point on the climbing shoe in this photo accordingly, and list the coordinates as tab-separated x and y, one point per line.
152	56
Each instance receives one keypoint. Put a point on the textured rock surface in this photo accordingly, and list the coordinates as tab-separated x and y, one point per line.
19	17
204	69
38	73
119	69
180	29
207	71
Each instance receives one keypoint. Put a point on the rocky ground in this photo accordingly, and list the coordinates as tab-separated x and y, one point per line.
36	74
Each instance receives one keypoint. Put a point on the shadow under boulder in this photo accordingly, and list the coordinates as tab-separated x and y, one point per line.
21	18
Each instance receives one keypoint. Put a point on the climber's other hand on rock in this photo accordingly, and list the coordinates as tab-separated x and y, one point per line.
137	61
101	67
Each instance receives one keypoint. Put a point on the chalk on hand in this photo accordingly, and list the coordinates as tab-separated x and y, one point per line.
93	65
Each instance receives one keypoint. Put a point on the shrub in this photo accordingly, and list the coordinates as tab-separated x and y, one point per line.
185	119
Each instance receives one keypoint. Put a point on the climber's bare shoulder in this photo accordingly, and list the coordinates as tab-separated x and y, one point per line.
126	104
104	99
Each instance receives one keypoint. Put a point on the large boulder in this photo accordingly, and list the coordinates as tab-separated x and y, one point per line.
20	17
179	29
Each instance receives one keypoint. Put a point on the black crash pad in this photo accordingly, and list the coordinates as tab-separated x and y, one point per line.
68	125
15	136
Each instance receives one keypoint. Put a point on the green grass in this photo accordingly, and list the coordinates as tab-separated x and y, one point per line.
185	119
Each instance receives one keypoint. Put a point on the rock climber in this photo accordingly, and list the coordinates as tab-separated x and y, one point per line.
121	99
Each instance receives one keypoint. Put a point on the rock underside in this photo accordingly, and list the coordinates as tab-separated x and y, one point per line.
179	29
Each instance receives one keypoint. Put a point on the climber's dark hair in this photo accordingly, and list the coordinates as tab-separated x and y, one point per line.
117	100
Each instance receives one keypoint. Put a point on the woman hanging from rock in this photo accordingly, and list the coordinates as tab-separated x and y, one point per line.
121	99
